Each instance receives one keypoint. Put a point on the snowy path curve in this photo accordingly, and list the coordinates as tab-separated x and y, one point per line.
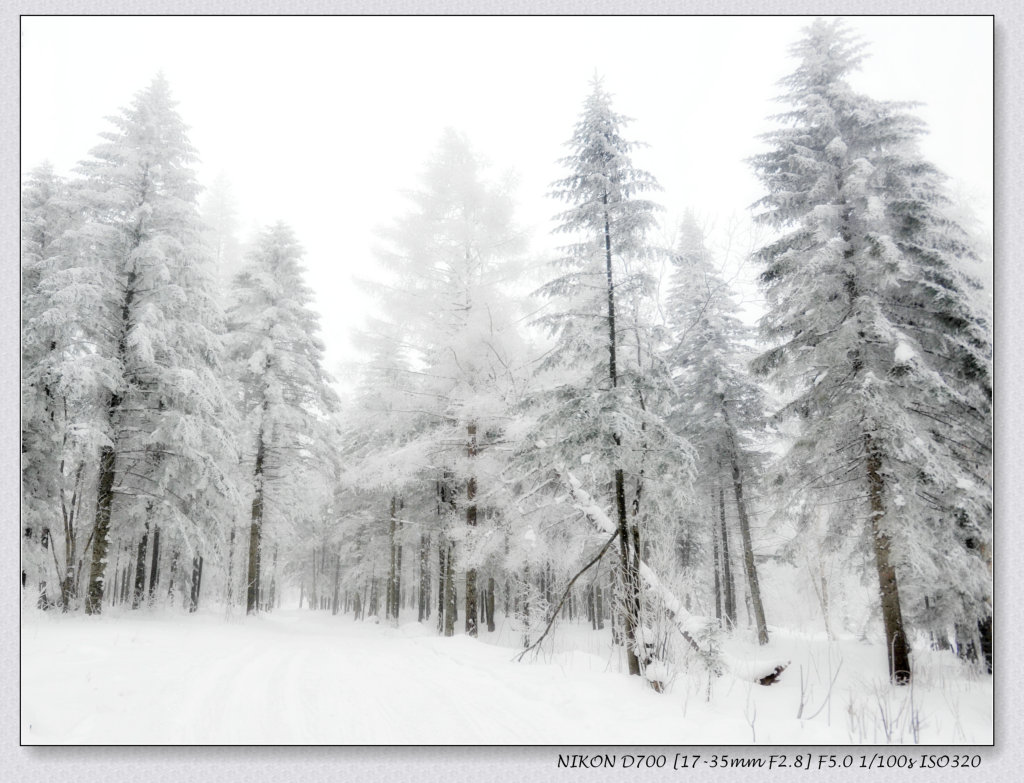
299	678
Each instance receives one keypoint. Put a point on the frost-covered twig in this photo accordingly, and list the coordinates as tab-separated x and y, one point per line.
689	626
568	587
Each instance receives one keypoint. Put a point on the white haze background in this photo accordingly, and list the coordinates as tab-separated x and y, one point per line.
323	122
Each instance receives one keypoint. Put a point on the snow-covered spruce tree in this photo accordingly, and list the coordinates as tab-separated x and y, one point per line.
286	396
167	453
56	400
718	401
451	257
872	334
595	401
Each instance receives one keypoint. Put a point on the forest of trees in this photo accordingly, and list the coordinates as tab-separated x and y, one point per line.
605	441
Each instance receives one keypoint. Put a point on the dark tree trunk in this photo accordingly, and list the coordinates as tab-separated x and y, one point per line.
154	571
525	607
749	565
314	600
197	583
423	607
374	599
627	566
229	591
336	600
125	582
718	571
173	572
896	643
489	604
599	606
395	563
442	569
273	600
252	581
101	531
398	573
727	577
985	632
108	459
471	595
117	580
139	593
450	605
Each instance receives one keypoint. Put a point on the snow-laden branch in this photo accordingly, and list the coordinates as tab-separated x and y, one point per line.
691	626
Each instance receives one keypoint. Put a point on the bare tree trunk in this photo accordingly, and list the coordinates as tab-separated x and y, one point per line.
395	564
985	634
173	571
489	604
117	579
748	548
718	572
896	643
197	582
125	582
471	596
101	531
591	613
398	571
154	571
229	588
730	584
442	569
139	593
272	599
314	600
423	607
525	607
450	606
336	603
252	593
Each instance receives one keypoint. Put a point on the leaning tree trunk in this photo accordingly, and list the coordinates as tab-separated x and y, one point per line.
471	596
750	567
252	596
896	644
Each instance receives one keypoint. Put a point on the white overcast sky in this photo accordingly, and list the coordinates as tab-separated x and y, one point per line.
322	121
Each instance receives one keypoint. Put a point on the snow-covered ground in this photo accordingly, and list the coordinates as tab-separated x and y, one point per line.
300	677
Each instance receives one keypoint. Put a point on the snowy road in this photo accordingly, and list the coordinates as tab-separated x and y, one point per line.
310	679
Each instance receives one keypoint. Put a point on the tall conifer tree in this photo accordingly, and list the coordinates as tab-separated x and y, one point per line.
874	337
